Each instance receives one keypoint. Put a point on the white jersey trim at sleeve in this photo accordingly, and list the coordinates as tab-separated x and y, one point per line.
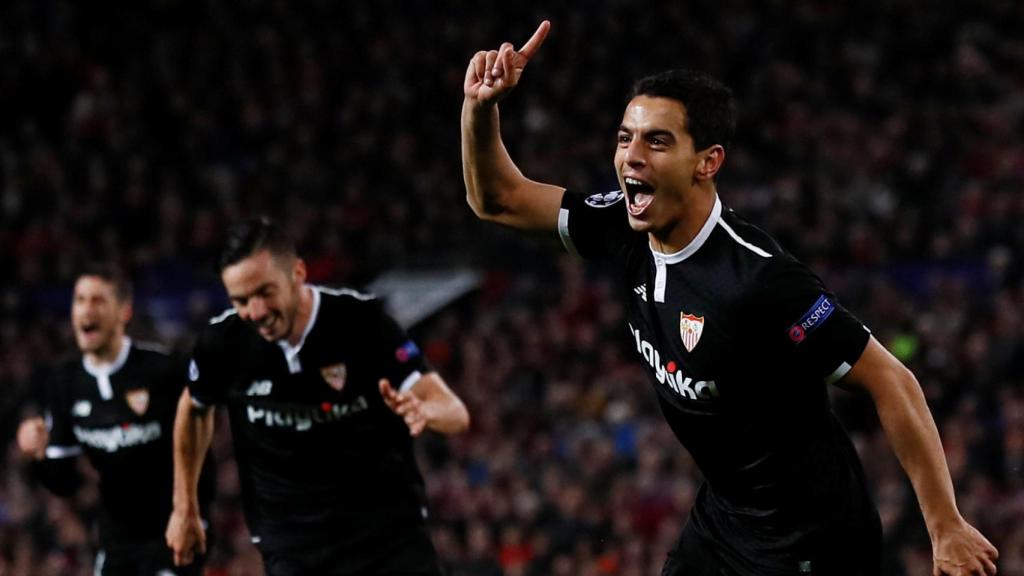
563	232
410	381
198	404
838	374
57	452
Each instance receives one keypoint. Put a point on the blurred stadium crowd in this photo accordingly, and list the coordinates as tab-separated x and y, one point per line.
879	141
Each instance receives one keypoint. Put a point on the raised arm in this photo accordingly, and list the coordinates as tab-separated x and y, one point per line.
958	548
495	188
193	430
428	403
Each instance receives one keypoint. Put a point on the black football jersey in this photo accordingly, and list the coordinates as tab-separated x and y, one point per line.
322	459
740	341
121	416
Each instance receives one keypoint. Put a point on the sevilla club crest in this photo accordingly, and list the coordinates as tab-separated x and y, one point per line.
690	329
335	375
138	400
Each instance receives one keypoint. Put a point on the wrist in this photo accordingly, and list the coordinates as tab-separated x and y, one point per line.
941	524
185	505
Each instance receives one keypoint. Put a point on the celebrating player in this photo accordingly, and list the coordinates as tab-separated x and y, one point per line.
741	340
116	403
324	393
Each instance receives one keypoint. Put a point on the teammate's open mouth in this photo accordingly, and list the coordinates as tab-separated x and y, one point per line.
88	327
639	195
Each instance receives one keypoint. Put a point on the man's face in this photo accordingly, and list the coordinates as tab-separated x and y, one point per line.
98	316
264	289
655	162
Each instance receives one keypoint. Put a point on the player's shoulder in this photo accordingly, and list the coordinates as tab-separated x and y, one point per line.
149	350
345	294
747	238
222	329
65	371
346	301
773	267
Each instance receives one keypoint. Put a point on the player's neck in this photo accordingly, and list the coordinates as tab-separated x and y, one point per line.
691	221
106	355
303	316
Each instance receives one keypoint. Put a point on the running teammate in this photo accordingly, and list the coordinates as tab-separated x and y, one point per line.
115	403
324	393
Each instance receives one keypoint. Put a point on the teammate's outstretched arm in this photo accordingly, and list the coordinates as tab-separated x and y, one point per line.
193	430
429	403
495	188
958	549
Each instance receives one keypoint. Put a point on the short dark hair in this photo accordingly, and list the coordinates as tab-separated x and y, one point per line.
251	236
111	274
710	105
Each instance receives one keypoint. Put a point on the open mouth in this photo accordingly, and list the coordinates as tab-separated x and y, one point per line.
89	328
639	195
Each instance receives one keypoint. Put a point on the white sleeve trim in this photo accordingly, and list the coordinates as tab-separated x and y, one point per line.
410	381
196	403
838	374
57	452
563	232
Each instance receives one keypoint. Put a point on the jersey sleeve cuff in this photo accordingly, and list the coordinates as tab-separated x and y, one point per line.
410	381
57	452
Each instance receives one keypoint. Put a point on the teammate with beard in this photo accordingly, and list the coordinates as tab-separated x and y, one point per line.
115	403
741	339
324	393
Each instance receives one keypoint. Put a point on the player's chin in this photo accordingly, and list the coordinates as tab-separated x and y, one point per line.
639	223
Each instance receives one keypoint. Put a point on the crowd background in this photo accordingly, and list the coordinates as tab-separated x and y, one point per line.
880	141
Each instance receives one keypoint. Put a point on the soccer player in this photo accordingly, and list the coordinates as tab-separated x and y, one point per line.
115	403
740	339
324	392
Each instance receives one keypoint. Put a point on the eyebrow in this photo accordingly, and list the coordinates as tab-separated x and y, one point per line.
248	295
662	132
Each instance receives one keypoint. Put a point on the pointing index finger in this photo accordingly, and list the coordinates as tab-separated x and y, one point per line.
531	46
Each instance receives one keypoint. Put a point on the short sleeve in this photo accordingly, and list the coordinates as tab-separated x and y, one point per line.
57	413
207	377
816	336
594	226
401	359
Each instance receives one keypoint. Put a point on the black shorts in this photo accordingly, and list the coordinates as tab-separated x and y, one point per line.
852	550
409	552
145	558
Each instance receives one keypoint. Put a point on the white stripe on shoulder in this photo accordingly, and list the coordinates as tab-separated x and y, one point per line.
563	232
364	296
151	347
743	242
223	316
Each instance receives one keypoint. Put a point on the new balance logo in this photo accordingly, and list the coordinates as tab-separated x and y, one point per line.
641	290
260	388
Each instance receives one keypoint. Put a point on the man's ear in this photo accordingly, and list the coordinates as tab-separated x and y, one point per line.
299	271
711	160
127	311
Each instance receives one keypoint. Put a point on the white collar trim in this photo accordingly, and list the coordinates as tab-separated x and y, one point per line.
698	240
291	353
99	370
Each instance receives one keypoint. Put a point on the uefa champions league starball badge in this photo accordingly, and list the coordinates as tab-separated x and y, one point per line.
604	199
